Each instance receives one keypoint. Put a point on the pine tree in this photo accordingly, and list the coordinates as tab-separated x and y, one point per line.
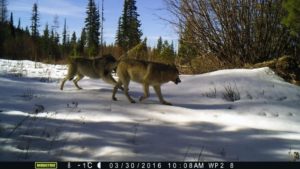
82	42
55	27
292	19
35	21
159	44
119	39
3	11
11	25
186	50
92	26
64	47
54	50
102	27
27	30
64	34
46	41
74	45
167	53
11	22
129	33
19	24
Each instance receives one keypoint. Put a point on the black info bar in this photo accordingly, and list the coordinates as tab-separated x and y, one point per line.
149	165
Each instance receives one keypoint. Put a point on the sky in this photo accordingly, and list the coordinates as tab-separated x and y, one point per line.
74	12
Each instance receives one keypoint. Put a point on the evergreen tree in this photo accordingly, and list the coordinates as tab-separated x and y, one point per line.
82	42
19	24
65	45
74	45
157	50
186	50
159	44
11	25
46	41
129	33
167	53
64	34
46	32
55	27
119	39
54	49
102	27
3	11
35	21
27	30
74	38
92	26
292	18
11	22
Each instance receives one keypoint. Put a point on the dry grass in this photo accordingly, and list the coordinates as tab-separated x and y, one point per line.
203	64
286	67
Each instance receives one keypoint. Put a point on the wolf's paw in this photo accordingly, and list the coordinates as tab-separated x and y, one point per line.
167	103
114	99
141	98
132	101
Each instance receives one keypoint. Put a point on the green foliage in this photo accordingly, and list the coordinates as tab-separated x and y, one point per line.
35	21
167	54
129	33
164	52
139	52
3	11
46	41
64	34
11	24
19	24
9	42
159	44
92	26
292	19
74	45
82	42
186	51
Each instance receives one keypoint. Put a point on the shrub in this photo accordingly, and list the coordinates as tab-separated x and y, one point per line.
231	93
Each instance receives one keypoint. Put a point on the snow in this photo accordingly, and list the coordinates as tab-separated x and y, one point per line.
40	122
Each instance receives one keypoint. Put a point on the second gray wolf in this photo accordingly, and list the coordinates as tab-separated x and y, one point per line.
146	73
95	68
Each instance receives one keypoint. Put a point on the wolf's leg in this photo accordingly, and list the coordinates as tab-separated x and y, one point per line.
126	84
109	79
159	95
75	81
63	83
71	73
119	83
146	92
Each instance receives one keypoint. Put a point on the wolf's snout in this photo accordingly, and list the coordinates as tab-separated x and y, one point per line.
177	80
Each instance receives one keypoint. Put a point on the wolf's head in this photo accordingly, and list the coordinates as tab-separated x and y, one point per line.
174	74
110	63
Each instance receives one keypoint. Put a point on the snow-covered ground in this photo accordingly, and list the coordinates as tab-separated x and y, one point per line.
40	122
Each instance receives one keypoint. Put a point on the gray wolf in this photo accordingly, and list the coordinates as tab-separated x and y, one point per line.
95	68
146	73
